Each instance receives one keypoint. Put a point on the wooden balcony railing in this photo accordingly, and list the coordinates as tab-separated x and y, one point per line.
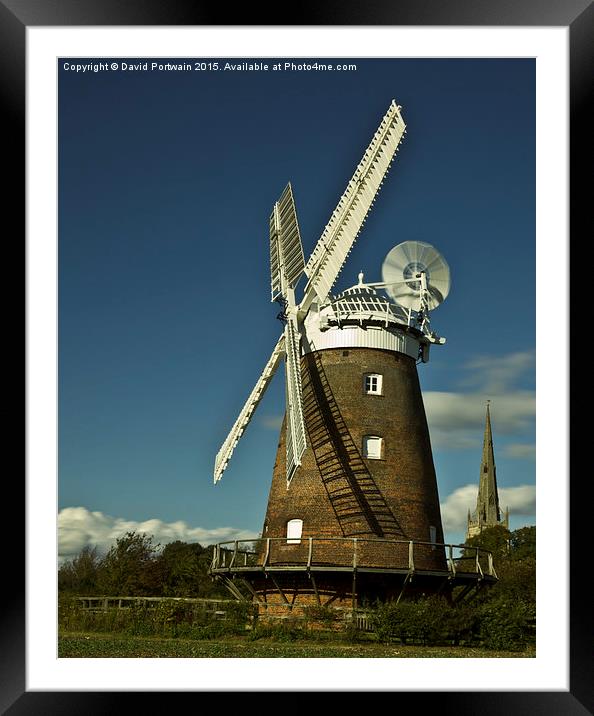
347	552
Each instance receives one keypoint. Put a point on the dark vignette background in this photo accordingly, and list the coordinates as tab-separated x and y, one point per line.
16	15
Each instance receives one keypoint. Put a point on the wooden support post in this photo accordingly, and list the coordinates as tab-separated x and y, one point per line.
285	600
464	592
234	555
267	552
315	588
251	590
442	585
330	600
451	563
478	564
474	590
492	571
406	580
354	587
233	589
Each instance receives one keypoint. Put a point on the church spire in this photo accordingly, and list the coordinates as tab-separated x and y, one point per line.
487	512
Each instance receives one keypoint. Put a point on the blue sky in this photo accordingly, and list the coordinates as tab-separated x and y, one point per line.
166	183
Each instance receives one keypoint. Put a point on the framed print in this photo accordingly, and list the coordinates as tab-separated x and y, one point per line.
135	99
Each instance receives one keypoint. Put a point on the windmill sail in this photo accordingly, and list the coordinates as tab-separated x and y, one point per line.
287	263
286	250
341	232
224	454
296	441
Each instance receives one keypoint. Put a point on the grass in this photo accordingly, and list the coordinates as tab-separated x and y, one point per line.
95	645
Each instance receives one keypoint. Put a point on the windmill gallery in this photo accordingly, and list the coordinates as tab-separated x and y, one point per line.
353	510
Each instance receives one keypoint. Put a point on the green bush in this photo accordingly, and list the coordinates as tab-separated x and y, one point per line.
429	621
505	624
351	633
499	624
287	629
163	618
321	616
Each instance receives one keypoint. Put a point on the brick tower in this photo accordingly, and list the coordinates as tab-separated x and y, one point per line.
353	511
368	472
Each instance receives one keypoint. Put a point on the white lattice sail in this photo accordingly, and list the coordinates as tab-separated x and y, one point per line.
346	221
224	454
286	250
296	440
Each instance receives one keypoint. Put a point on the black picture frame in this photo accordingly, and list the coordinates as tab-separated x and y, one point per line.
578	16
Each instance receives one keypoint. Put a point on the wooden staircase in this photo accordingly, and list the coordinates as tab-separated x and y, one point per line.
358	503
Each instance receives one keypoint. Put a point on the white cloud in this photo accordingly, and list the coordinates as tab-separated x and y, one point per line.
495	375
454	510
456	419
521	500
272	422
79	527
520	450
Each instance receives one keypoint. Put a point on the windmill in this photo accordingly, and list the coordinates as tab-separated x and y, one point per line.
353	493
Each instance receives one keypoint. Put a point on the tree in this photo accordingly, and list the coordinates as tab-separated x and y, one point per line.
136	567
179	569
523	543
514	556
79	575
130	567
495	539
183	571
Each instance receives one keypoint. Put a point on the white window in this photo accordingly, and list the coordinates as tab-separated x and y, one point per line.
432	535
294	530
373	383
372	447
